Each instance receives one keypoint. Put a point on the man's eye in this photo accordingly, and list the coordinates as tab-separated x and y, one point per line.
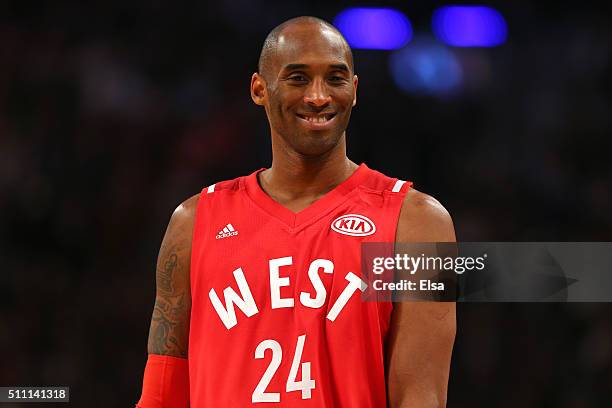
298	78
336	78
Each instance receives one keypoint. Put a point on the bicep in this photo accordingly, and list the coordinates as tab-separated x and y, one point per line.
169	331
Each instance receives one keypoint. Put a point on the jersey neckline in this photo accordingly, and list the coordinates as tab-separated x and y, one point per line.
317	209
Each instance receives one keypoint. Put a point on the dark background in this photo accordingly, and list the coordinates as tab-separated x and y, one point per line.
112	113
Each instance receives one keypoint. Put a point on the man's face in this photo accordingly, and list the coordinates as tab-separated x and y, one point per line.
310	89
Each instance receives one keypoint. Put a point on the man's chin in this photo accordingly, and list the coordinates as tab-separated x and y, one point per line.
317	143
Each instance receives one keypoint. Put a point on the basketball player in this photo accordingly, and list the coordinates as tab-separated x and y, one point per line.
259	278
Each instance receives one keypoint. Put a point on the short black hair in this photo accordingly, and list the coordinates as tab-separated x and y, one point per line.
271	41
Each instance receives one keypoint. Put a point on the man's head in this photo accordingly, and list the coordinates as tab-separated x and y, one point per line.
306	84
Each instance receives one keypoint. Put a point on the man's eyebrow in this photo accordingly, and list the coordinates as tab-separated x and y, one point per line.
291	67
341	67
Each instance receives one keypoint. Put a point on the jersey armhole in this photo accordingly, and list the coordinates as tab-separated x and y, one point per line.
401	186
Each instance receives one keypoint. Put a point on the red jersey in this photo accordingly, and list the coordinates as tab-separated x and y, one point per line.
277	318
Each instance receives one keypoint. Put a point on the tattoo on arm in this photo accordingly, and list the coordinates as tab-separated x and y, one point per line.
169	332
168	328
165	274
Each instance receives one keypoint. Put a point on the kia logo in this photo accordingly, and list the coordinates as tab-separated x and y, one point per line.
354	224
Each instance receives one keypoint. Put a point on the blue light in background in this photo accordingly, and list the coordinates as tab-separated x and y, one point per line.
374	28
469	26
426	67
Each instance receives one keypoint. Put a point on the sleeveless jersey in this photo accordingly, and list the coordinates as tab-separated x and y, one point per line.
277	318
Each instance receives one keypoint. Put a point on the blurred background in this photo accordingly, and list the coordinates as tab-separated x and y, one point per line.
112	113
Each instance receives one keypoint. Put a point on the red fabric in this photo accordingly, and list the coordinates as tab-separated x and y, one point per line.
241	231
165	383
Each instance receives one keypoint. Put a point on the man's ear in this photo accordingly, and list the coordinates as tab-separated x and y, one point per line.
355	82
258	89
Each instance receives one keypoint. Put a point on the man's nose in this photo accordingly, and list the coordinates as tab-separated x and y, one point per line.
317	94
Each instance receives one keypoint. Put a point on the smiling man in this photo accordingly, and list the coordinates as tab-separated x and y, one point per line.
259	278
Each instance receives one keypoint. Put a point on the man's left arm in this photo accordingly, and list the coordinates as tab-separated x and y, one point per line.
421	334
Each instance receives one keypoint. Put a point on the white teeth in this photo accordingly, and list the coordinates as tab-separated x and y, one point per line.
317	119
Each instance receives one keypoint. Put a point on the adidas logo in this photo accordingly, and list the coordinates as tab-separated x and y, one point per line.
228	231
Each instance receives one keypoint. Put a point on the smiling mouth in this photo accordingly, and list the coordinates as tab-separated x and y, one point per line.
319	119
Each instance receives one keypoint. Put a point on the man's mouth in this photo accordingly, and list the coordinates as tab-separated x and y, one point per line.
319	119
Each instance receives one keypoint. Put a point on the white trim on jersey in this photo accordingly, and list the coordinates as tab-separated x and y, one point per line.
211	189
398	186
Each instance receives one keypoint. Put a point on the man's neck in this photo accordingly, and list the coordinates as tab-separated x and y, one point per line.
296	181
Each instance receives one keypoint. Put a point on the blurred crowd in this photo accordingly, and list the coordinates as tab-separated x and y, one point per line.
112	113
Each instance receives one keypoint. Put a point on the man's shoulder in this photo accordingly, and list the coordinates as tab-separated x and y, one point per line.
187	208
419	201
423	218
183	215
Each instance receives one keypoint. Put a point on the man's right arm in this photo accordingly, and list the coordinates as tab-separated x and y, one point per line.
166	378
169	331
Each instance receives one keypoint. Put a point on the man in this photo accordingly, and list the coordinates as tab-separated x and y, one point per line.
259	278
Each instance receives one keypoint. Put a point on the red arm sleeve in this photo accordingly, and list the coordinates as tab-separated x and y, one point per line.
165	383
